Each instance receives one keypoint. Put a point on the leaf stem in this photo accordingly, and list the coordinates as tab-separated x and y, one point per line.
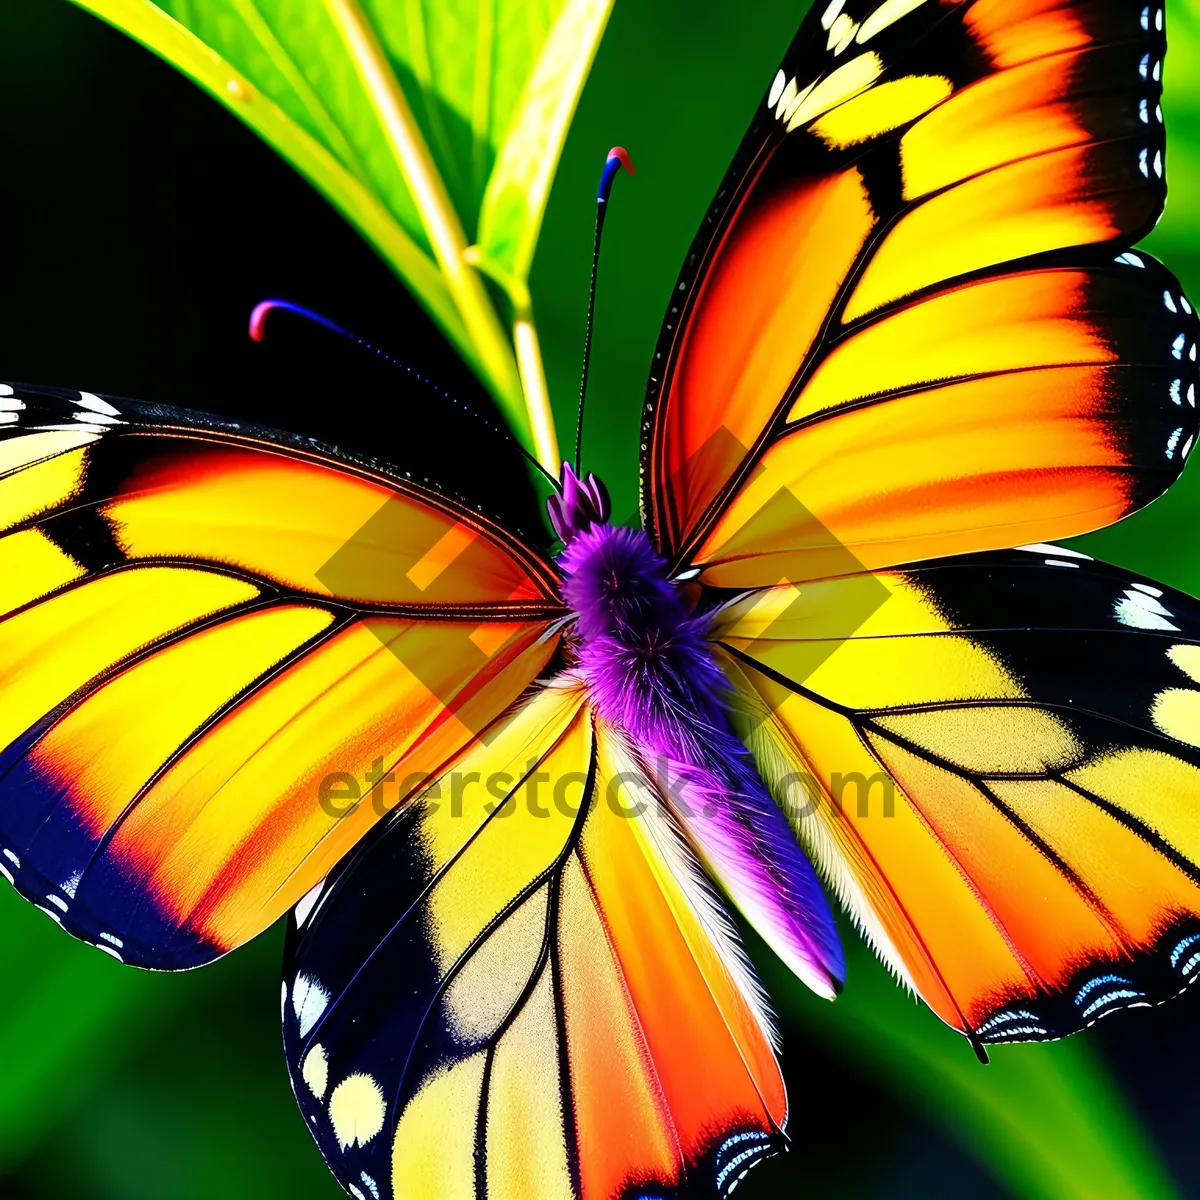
440	220
529	358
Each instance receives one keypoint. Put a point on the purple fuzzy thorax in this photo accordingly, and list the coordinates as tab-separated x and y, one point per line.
644	656
649	665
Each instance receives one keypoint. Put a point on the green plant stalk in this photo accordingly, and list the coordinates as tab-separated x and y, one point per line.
529	353
514	203
443	227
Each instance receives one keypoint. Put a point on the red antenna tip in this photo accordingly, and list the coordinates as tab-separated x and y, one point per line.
258	320
622	155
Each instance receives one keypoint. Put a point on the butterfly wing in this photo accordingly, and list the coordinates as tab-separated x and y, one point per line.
911	324
998	771
518	987
211	640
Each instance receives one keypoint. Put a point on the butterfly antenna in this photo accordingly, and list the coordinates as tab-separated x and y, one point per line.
617	158
258	331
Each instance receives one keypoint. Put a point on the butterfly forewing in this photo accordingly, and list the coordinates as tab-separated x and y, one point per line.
911	323
209	641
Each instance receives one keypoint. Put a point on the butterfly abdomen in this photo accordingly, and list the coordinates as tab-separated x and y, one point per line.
650	667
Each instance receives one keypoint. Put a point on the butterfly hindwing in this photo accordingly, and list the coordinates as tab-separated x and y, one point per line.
518	987
911	324
209	640
997	771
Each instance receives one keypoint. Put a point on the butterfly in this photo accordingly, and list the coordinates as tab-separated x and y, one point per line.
501	791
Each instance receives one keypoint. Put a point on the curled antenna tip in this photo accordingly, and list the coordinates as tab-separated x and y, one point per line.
258	317
622	156
616	159
258	320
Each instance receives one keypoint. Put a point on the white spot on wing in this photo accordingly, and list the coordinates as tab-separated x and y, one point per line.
1061	551
1140	611
96	405
12	858
786	100
309	999
776	89
831	13
307	903
315	1071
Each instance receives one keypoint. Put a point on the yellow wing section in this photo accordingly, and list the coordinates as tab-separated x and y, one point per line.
222	659
997	772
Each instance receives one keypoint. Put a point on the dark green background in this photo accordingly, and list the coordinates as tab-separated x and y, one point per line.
138	223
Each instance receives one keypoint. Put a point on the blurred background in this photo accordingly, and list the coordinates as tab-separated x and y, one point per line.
138	225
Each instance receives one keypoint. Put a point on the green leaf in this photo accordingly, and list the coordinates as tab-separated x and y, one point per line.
430	125
520	185
1047	1119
